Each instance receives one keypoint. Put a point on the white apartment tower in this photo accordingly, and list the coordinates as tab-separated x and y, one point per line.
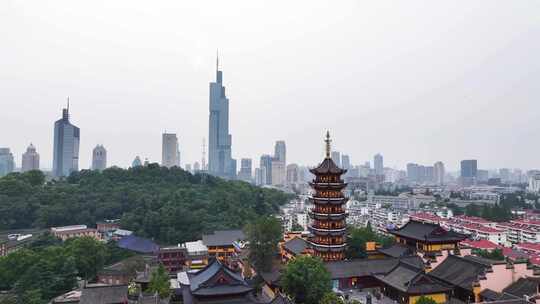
99	158
170	155
30	159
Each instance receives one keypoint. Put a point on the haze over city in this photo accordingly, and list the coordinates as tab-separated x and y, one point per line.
458	81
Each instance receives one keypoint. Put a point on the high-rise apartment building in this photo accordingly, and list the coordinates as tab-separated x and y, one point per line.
278	172
439	172
246	170
280	151
66	146
469	171
336	157
266	166
170	155
345	162
99	158
30	159
220	162
292	174
7	163
378	164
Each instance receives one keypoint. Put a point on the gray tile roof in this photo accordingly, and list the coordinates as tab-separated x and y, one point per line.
368	267
223	237
412	280
296	245
104	295
427	232
459	271
523	286
396	251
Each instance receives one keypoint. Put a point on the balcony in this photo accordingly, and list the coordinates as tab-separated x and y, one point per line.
327	216
326	248
327	231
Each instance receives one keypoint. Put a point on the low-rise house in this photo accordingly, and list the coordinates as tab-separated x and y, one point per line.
14	240
68	232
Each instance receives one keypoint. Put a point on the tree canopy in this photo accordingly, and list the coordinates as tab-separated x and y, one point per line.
357	238
169	205
425	300
263	236
38	273
306	280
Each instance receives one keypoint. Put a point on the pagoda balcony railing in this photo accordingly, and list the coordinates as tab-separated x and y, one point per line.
328	245
321	229
323	216
316	183
327	198
327	210
317	240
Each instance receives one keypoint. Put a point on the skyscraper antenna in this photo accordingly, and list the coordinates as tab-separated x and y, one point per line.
217	59
68	103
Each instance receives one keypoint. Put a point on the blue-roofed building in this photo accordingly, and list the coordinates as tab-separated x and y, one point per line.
138	244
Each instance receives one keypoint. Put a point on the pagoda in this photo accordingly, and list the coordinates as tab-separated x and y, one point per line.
328	227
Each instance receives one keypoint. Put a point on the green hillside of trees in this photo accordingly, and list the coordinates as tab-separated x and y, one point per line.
169	205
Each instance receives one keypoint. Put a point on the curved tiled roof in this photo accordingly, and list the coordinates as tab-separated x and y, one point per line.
327	167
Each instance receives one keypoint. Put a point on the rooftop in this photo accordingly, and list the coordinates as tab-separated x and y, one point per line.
223	237
421	231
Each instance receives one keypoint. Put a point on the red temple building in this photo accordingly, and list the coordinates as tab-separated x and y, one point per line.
328	228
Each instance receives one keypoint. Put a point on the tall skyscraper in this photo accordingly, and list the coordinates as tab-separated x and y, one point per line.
170	155
136	162
66	146
7	164
266	166
378	164
336	157
278	172
439	172
412	172
345	162
30	159
220	162
246	170
469	170
99	158
280	151
292	174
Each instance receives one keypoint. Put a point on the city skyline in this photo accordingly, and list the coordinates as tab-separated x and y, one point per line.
470	99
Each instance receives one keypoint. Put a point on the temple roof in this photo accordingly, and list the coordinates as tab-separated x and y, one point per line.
368	267
104	294
459	271
327	167
523	286
296	245
223	237
397	250
412	280
427	232
217	279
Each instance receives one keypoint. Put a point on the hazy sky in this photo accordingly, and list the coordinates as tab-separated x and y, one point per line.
417	81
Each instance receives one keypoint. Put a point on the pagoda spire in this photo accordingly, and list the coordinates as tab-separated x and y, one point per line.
328	141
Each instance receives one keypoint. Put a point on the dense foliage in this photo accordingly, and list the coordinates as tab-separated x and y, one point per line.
495	254
306	280
169	205
263	236
425	300
357	238
38	273
159	282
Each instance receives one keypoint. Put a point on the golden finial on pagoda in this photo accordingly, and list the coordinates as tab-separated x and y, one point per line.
328	141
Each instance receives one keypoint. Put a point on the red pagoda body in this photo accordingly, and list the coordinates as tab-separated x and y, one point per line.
328	228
